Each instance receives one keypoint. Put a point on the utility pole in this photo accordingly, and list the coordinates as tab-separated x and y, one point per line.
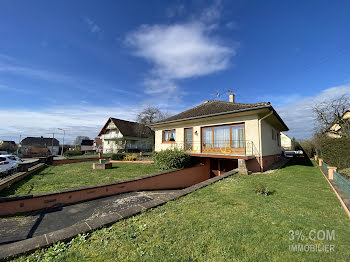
64	133
53	137
19	141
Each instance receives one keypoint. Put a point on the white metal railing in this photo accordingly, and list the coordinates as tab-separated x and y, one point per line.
111	136
239	147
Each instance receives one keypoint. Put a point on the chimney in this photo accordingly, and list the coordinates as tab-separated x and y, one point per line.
231	98
206	101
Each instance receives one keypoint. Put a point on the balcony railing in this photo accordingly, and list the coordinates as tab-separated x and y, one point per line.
233	147
111	136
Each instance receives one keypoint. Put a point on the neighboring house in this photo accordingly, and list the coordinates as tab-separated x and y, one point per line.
225	132
86	146
120	135
335	130
286	142
8	146
98	145
30	146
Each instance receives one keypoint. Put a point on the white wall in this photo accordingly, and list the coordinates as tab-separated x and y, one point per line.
269	146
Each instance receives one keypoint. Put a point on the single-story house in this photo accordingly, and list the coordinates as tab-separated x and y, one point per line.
52	144
286	142
121	135
225	132
335	130
86	146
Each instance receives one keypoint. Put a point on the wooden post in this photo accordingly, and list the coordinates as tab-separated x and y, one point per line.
331	170
320	162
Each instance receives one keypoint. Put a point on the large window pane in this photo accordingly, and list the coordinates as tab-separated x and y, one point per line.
237	136
166	136
207	137
222	136
189	138
172	135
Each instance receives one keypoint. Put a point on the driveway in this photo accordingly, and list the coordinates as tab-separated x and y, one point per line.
17	228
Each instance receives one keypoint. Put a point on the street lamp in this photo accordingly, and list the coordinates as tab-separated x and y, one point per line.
64	133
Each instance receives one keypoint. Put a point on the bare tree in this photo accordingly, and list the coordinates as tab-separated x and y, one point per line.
331	112
78	139
150	115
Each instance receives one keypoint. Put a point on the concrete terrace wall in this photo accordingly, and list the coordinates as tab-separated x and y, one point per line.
177	179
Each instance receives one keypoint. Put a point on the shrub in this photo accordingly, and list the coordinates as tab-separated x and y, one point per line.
335	151
171	159
132	157
261	190
308	148
75	152
118	156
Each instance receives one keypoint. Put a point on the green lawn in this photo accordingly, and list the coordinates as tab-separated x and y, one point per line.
225	221
76	175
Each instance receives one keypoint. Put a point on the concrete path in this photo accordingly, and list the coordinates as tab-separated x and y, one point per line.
17	228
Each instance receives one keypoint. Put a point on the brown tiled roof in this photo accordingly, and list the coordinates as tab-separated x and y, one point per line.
129	128
39	141
211	108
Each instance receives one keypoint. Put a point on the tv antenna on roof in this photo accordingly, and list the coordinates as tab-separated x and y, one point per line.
217	94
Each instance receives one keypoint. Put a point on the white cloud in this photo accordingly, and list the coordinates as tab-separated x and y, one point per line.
94	28
75	120
180	51
299	116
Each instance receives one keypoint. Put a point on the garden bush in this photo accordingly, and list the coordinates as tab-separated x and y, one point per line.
336	151
171	159
118	156
308	148
75	152
132	157
261	190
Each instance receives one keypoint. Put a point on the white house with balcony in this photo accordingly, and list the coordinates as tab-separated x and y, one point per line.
122	136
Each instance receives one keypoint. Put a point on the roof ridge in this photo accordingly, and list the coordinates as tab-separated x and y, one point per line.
124	120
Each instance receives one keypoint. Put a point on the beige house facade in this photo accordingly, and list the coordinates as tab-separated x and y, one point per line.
225	131
335	130
286	141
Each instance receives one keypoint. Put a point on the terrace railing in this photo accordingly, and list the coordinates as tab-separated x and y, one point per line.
227	147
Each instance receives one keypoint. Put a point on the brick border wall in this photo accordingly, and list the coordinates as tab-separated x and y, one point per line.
71	161
18	177
177	179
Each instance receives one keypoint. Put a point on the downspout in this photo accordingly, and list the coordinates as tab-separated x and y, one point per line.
260	142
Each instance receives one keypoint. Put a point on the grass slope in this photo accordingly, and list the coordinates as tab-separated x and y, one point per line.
225	221
76	175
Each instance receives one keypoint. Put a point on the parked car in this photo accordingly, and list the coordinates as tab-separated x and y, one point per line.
8	164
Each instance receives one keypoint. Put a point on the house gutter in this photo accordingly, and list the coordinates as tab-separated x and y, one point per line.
260	142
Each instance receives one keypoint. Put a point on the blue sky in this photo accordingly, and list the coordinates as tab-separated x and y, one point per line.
72	64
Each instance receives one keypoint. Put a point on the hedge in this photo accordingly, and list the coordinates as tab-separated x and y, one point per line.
171	159
336	152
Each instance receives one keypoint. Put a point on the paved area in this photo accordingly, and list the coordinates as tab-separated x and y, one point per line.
17	228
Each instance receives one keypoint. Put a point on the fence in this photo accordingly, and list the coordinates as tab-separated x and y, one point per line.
332	174
342	182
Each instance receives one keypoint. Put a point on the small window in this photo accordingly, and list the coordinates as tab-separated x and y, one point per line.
169	135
